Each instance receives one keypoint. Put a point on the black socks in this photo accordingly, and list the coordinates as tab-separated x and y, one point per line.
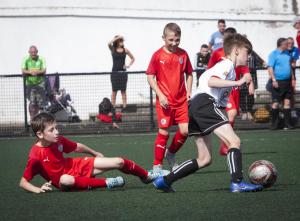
234	160
186	168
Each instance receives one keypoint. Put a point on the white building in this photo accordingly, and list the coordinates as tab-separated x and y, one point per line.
72	35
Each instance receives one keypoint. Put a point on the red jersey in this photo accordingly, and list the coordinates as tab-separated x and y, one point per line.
169	69
218	55
49	162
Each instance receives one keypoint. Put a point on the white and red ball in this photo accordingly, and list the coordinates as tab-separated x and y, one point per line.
262	172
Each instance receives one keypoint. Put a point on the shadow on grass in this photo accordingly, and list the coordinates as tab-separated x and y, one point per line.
257	153
211	172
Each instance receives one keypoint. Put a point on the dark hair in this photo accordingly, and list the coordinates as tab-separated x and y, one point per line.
279	41
173	27
39	121
236	40
230	30
204	46
116	43
105	106
221	21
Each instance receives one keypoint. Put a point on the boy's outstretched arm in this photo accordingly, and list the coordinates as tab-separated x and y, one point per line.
219	83
81	148
34	189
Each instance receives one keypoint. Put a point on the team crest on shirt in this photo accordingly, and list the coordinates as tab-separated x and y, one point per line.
163	121
60	148
229	105
180	60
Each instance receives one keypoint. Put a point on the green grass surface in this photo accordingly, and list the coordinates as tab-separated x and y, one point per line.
201	196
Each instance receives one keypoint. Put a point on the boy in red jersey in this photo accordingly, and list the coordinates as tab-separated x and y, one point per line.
165	74
233	104
46	159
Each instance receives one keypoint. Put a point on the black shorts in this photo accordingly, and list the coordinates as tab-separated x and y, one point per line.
204	115
119	80
284	91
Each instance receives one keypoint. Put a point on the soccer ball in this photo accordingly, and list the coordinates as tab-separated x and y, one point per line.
262	172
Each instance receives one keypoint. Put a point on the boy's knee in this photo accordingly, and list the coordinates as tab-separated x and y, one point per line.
235	142
119	162
163	132
66	181
184	131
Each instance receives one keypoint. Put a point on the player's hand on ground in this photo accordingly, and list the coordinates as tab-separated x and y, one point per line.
46	187
163	101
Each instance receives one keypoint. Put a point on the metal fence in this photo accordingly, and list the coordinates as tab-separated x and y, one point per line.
86	91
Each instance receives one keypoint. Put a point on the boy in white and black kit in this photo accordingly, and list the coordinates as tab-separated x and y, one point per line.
205	116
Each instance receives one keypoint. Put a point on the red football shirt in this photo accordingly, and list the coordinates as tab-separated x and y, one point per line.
49	162
219	55
169	69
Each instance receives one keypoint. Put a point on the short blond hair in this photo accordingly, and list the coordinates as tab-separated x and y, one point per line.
172	27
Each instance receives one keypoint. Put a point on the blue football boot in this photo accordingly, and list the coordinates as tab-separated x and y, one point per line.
244	187
160	184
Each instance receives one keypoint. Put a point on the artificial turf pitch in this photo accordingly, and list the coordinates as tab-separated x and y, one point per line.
201	196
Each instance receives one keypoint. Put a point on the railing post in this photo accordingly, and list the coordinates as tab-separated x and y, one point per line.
151	110
25	106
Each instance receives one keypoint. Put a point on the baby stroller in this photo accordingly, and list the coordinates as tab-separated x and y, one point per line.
62	107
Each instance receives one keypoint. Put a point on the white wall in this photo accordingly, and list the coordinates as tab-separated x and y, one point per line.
72	35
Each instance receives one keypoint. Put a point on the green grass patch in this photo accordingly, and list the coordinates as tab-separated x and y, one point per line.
201	196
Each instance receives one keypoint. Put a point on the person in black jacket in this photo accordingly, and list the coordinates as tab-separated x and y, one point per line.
201	61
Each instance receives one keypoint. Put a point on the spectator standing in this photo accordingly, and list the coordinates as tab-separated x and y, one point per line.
216	39
34	69
118	76
201	61
279	68
294	53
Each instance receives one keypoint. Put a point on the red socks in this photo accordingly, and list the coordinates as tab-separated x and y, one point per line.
131	167
160	148
85	183
177	142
